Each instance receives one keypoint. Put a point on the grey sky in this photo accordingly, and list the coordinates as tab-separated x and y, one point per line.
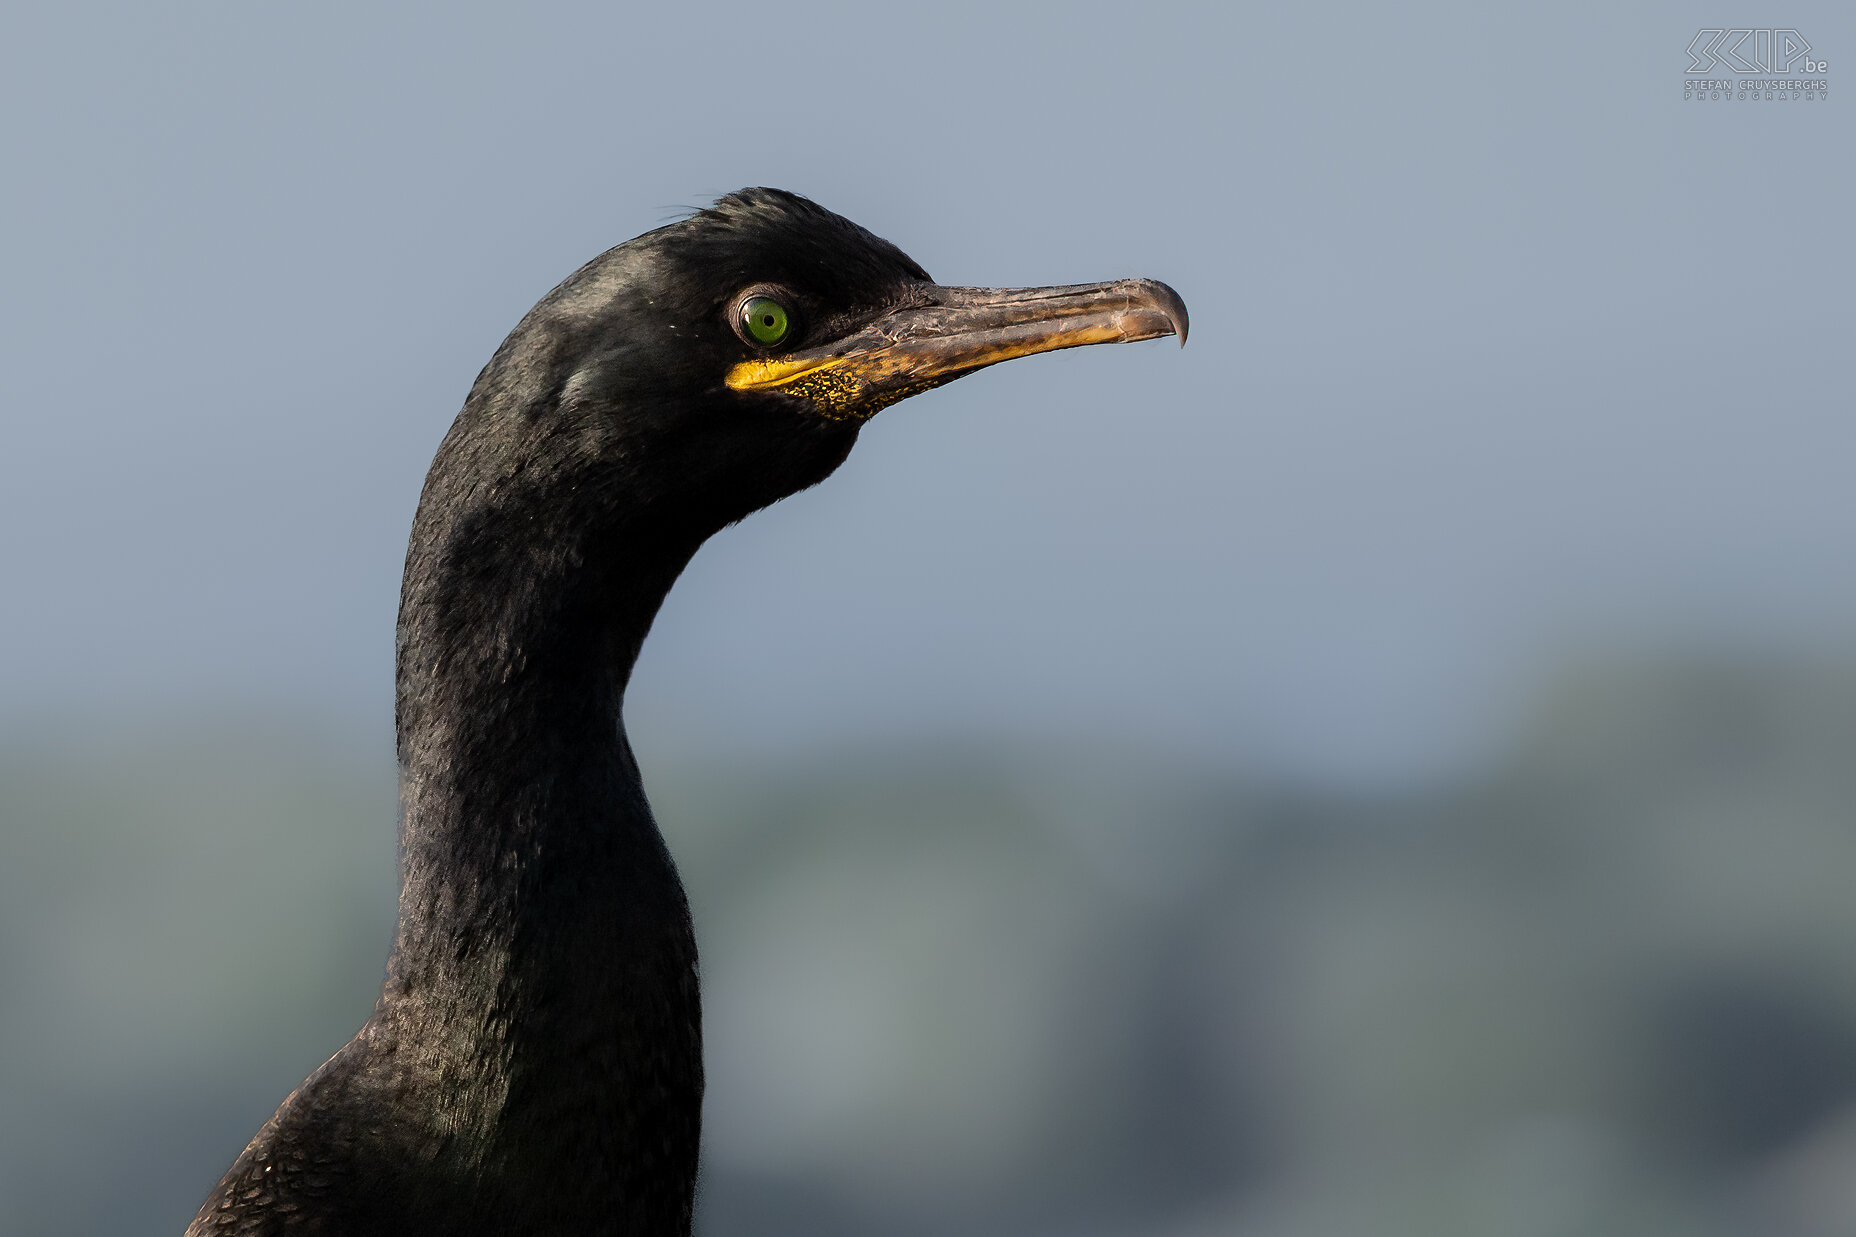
1501	351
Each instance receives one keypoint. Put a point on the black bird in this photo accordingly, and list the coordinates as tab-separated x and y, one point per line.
534	1063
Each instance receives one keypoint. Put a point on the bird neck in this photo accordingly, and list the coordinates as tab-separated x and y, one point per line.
543	972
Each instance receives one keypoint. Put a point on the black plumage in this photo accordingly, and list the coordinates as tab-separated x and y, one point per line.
534	1064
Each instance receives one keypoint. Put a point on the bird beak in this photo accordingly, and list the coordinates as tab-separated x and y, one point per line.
942	333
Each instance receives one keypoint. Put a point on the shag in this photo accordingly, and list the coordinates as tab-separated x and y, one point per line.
534	1063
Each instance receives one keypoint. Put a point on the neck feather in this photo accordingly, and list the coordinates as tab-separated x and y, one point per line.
544	968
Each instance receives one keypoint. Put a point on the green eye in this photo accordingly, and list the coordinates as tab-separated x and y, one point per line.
765	320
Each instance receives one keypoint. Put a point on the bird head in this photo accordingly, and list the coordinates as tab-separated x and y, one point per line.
730	358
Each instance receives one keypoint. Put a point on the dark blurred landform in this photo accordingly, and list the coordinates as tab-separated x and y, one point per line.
1605	985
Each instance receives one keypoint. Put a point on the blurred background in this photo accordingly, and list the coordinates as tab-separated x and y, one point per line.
1385	769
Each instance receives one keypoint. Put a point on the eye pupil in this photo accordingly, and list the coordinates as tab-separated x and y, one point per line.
764	320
